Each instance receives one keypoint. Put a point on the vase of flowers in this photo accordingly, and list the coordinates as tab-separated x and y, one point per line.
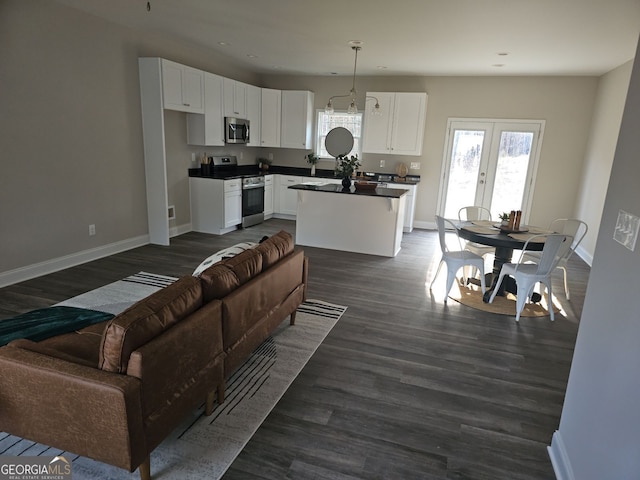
345	167
312	159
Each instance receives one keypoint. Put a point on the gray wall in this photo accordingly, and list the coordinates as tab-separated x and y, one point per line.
601	146
599	433
70	130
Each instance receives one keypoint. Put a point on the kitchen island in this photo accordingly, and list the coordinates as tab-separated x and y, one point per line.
362	221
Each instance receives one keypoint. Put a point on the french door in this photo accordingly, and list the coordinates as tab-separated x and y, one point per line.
489	163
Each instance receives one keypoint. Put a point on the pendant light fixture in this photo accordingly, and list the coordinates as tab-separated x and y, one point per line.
353	108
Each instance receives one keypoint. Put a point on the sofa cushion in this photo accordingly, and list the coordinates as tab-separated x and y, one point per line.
245	265
275	247
218	281
225	276
81	347
147	319
224	254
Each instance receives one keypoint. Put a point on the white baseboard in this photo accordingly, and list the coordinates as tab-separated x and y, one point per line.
284	216
584	255
179	230
559	458
49	266
425	225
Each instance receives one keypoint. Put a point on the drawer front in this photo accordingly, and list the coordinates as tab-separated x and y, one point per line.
234	185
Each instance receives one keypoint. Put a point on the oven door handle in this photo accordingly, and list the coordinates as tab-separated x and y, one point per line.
249	187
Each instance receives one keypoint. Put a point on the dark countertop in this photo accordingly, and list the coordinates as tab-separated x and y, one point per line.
333	188
252	170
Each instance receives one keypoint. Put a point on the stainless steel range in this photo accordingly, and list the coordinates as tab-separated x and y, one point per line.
252	200
252	187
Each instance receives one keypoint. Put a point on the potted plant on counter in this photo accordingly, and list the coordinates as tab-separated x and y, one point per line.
263	163
312	159
345	167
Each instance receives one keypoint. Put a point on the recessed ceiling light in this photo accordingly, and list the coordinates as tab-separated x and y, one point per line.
498	65
224	44
381	67
503	54
251	55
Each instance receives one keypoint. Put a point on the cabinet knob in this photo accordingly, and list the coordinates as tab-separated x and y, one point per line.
187	104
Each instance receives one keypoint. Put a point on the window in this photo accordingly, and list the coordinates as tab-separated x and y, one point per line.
327	121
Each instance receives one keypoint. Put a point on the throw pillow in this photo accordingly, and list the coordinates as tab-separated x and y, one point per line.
223	255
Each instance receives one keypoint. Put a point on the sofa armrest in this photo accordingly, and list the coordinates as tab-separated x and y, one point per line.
73	407
178	369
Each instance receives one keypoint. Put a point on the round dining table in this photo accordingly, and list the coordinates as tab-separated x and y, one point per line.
504	242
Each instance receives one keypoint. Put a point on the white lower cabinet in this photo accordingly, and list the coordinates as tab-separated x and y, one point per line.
268	196
410	204
410	207
286	200
216	205
232	202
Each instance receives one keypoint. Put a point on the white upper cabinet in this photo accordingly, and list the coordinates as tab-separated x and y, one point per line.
208	129
399	129
270	117
254	113
297	119
235	98
182	87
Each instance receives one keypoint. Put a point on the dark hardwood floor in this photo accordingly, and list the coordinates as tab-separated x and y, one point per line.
404	387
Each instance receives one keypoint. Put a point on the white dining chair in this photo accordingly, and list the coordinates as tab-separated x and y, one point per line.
474	212
469	214
528	274
455	259
577	229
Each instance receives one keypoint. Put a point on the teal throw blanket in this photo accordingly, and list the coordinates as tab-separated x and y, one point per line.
49	322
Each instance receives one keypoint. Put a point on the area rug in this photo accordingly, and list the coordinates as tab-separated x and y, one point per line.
205	447
472	297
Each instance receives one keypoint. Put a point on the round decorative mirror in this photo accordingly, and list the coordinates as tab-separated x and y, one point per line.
338	141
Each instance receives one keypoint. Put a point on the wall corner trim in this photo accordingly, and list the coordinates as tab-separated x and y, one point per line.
559	458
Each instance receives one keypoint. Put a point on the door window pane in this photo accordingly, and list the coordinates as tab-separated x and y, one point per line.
511	171
463	174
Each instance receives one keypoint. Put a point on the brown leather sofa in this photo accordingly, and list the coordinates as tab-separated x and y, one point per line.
113	391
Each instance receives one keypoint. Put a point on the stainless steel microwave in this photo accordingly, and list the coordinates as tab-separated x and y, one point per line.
236	130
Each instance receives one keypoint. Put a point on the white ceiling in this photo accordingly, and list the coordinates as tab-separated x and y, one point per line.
407	37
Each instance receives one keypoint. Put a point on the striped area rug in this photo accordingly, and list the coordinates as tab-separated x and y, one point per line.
205	447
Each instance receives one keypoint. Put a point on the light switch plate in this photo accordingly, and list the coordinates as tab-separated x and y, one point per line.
626	232
415	166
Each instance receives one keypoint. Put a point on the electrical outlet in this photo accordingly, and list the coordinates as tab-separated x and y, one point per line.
193	157
415	166
241	155
382	163
270	157
92	230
